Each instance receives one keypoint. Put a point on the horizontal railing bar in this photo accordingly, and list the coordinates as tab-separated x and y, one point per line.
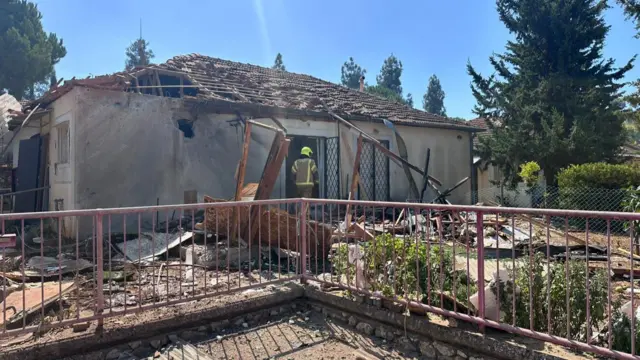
483	209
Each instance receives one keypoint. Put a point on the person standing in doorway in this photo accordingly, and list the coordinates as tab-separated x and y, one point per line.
305	173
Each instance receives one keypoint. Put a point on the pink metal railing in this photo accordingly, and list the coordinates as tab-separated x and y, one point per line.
419	299
424	263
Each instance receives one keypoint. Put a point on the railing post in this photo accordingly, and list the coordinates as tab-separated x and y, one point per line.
100	268
303	241
480	246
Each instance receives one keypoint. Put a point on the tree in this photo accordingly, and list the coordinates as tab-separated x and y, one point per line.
138	54
390	73
29	53
551	98
631	9
433	99
37	90
278	64
351	74
409	100
389	94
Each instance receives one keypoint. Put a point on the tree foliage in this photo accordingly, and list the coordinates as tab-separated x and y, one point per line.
278	64
138	54
433	99
351	74
28	53
550	98
409	100
390	74
389	94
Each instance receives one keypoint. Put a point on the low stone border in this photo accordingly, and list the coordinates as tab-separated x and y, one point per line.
117	336
429	339
443	339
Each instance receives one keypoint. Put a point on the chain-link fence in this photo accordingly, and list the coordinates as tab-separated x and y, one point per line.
592	199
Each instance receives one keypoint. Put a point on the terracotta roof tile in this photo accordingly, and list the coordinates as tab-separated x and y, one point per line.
256	84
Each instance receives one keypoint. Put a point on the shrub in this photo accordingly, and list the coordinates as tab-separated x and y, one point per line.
530	173
598	187
531	279
399	267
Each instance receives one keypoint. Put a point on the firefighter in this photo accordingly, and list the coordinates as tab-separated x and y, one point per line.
305	173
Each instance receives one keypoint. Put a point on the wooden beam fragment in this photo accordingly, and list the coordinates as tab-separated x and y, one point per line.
354	180
275	158
242	169
265	126
159	88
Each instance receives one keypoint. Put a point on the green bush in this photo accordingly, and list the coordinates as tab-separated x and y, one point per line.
531	279
597	187
399	267
599	176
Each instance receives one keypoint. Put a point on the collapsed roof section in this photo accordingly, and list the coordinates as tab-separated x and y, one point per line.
206	79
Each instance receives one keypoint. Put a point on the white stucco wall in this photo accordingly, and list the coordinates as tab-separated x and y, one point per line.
126	150
130	152
449	162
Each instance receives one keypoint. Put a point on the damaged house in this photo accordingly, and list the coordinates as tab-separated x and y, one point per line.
146	136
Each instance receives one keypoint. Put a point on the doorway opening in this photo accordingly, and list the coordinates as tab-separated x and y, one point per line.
297	143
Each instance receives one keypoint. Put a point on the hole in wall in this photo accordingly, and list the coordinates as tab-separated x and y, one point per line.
186	127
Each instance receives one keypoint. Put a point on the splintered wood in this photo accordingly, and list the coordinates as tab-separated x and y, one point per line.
275	227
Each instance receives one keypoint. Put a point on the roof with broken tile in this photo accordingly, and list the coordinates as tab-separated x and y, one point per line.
231	81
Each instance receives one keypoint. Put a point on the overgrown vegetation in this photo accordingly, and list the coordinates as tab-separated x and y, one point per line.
404	268
567	283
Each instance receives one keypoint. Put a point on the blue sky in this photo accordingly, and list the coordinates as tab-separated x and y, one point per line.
315	37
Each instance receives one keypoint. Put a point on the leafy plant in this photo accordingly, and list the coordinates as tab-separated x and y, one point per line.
631	203
530	173
408	268
533	303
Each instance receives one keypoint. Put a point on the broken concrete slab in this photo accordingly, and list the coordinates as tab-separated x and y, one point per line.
49	266
149	245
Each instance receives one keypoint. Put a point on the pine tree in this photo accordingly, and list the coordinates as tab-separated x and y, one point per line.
138	54
550	99
409	100
390	73
351	74
28	54
278	64
433	99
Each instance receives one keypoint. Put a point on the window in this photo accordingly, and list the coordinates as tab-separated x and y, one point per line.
63	143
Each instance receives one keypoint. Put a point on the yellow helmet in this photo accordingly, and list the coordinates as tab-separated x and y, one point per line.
306	151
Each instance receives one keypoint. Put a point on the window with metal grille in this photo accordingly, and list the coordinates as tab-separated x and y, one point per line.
63	143
374	173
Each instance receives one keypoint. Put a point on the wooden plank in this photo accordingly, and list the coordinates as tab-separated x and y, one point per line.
268	127
159	88
242	169
354	180
278	152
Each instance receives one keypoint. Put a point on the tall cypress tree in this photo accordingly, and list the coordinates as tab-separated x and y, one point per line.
551	98
433	99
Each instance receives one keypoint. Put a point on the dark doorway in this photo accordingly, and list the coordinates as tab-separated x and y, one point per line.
27	174
297	143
